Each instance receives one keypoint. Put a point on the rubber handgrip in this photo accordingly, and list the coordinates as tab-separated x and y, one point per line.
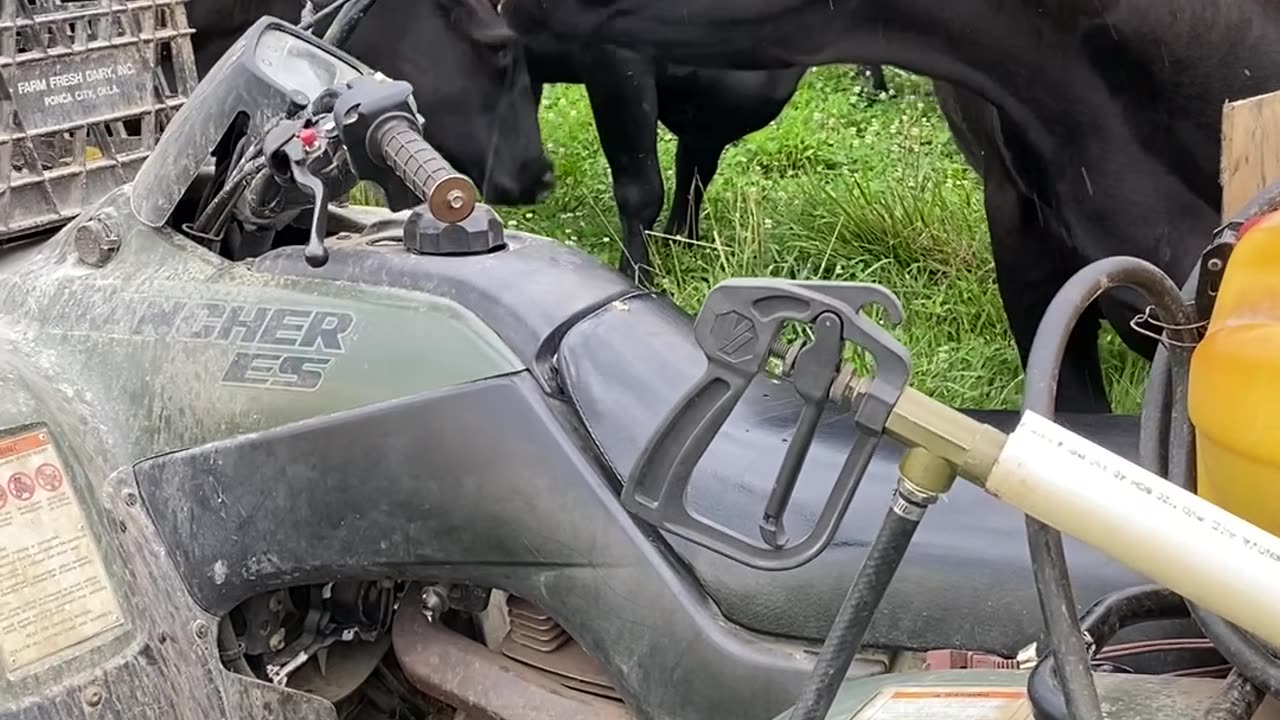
450	195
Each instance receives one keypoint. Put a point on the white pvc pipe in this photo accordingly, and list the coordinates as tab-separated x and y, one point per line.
1163	532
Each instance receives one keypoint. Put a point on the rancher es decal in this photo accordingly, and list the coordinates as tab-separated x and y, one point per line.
275	347
290	347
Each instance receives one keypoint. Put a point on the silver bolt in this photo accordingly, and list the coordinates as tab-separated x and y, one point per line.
276	642
93	696
434	602
1214	265
201	629
131	498
95	242
455	198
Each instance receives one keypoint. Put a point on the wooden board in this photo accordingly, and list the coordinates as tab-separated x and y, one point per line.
1250	149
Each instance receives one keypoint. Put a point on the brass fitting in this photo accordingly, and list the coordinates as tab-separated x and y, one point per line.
924	476
919	421
969	447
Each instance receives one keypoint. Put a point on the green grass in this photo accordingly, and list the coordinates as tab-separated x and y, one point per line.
843	186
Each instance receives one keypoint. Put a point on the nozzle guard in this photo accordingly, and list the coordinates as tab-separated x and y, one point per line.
736	328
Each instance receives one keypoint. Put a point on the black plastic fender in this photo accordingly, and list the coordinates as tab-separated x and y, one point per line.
432	487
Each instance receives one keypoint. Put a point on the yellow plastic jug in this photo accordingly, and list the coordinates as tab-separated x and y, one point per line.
1235	383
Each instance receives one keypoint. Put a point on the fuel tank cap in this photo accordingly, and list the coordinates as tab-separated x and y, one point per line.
480	233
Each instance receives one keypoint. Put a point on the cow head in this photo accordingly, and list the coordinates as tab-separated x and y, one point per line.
468	74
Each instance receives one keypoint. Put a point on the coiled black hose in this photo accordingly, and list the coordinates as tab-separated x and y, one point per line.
1248	655
1164	415
859	607
1107	617
1048	559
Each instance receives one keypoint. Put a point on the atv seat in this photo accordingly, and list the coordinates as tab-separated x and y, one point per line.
966	581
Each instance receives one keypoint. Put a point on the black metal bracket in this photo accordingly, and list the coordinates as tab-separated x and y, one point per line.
736	328
1213	266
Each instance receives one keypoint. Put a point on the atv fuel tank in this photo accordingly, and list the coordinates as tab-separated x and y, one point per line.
1235	383
169	345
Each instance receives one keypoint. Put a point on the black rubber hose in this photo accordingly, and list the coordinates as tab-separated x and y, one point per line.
214	215
230	649
1048	559
323	15
1164	415
1238	699
854	617
1246	653
344	26
1057	605
1108	616
1153	447
1131	606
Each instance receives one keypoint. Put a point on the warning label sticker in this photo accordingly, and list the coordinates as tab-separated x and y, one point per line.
947	703
54	591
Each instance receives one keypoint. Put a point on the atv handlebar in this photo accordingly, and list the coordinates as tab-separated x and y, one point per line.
369	129
449	194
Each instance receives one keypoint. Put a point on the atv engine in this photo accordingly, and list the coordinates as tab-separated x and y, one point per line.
329	640
333	640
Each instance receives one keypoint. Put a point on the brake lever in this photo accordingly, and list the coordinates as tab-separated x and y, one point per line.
300	151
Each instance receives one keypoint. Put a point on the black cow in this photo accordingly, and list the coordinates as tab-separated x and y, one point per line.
706	109
630	93
469	80
1094	123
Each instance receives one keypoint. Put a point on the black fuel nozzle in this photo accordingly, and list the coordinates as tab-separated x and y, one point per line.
738	329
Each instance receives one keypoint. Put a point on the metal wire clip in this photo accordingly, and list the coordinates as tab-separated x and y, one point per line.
1148	317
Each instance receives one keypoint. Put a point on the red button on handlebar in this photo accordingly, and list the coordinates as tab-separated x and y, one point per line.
309	138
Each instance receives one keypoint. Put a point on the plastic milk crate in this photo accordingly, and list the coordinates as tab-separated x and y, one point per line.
86	87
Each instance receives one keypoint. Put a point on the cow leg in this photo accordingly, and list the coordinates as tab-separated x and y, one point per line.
624	100
1029	273
697	160
876	74
1032	260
